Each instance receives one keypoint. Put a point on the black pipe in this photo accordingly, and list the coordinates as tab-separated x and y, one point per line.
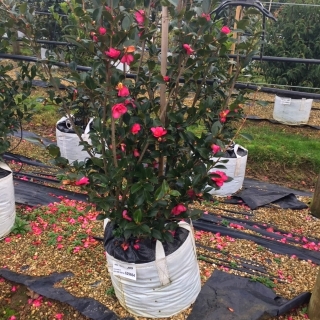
280	92
278	59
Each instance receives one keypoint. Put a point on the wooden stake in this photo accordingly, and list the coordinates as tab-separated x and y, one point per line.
315	205
235	35
164	57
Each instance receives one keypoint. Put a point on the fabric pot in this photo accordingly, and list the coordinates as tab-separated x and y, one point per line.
235	168
292	111
7	200
68	141
160	288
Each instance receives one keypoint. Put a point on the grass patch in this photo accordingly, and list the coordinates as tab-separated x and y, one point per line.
271	144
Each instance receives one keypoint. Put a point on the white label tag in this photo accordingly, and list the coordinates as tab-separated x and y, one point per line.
125	271
286	101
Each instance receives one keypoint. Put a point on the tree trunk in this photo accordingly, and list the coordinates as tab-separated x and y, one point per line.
314	304
315	205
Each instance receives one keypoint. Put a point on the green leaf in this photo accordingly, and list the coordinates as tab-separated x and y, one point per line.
126	23
246	136
53	150
162	190
96	16
156	234
174	193
90	83
136	187
137	216
23	8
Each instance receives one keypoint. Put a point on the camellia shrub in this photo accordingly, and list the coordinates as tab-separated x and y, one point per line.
145	165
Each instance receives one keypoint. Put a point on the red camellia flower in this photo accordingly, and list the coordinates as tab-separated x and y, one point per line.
82	182
123	91
127	58
223	115
158	132
215	148
225	30
102	31
178	209
112	53
219	180
191	193
188	49
206	15
136	153
135	128
140	17
166	78
125	215
118	110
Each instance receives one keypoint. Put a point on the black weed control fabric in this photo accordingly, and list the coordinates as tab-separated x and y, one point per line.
44	286
274	246
34	194
229	297
257	194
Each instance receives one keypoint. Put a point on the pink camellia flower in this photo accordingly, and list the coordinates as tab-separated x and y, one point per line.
206	15
219	180
123	91
136	153
102	31
125	215
215	148
223	115
12	318
135	128
13	288
7	240
166	78
113	53
136	246
127	58
178	209
82	182
95	38
140	17
191	193
225	30
158	132
188	49
59	316
118	110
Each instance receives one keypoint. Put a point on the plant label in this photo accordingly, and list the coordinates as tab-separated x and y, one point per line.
286	101
125	271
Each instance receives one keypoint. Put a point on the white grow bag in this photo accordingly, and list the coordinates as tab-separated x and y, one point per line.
7	202
69	143
292	111
236	169
163	287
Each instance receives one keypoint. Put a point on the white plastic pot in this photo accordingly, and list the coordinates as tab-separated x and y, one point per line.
7	202
69	143
163	287
292	111
236	169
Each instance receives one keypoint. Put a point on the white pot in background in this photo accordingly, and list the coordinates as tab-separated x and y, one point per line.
163	287
235	168
69	143
292	111
7	202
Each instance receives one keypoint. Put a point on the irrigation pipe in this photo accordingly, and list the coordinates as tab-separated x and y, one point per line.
287	93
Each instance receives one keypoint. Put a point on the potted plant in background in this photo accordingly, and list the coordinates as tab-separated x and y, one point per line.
13	93
145	164
294	40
